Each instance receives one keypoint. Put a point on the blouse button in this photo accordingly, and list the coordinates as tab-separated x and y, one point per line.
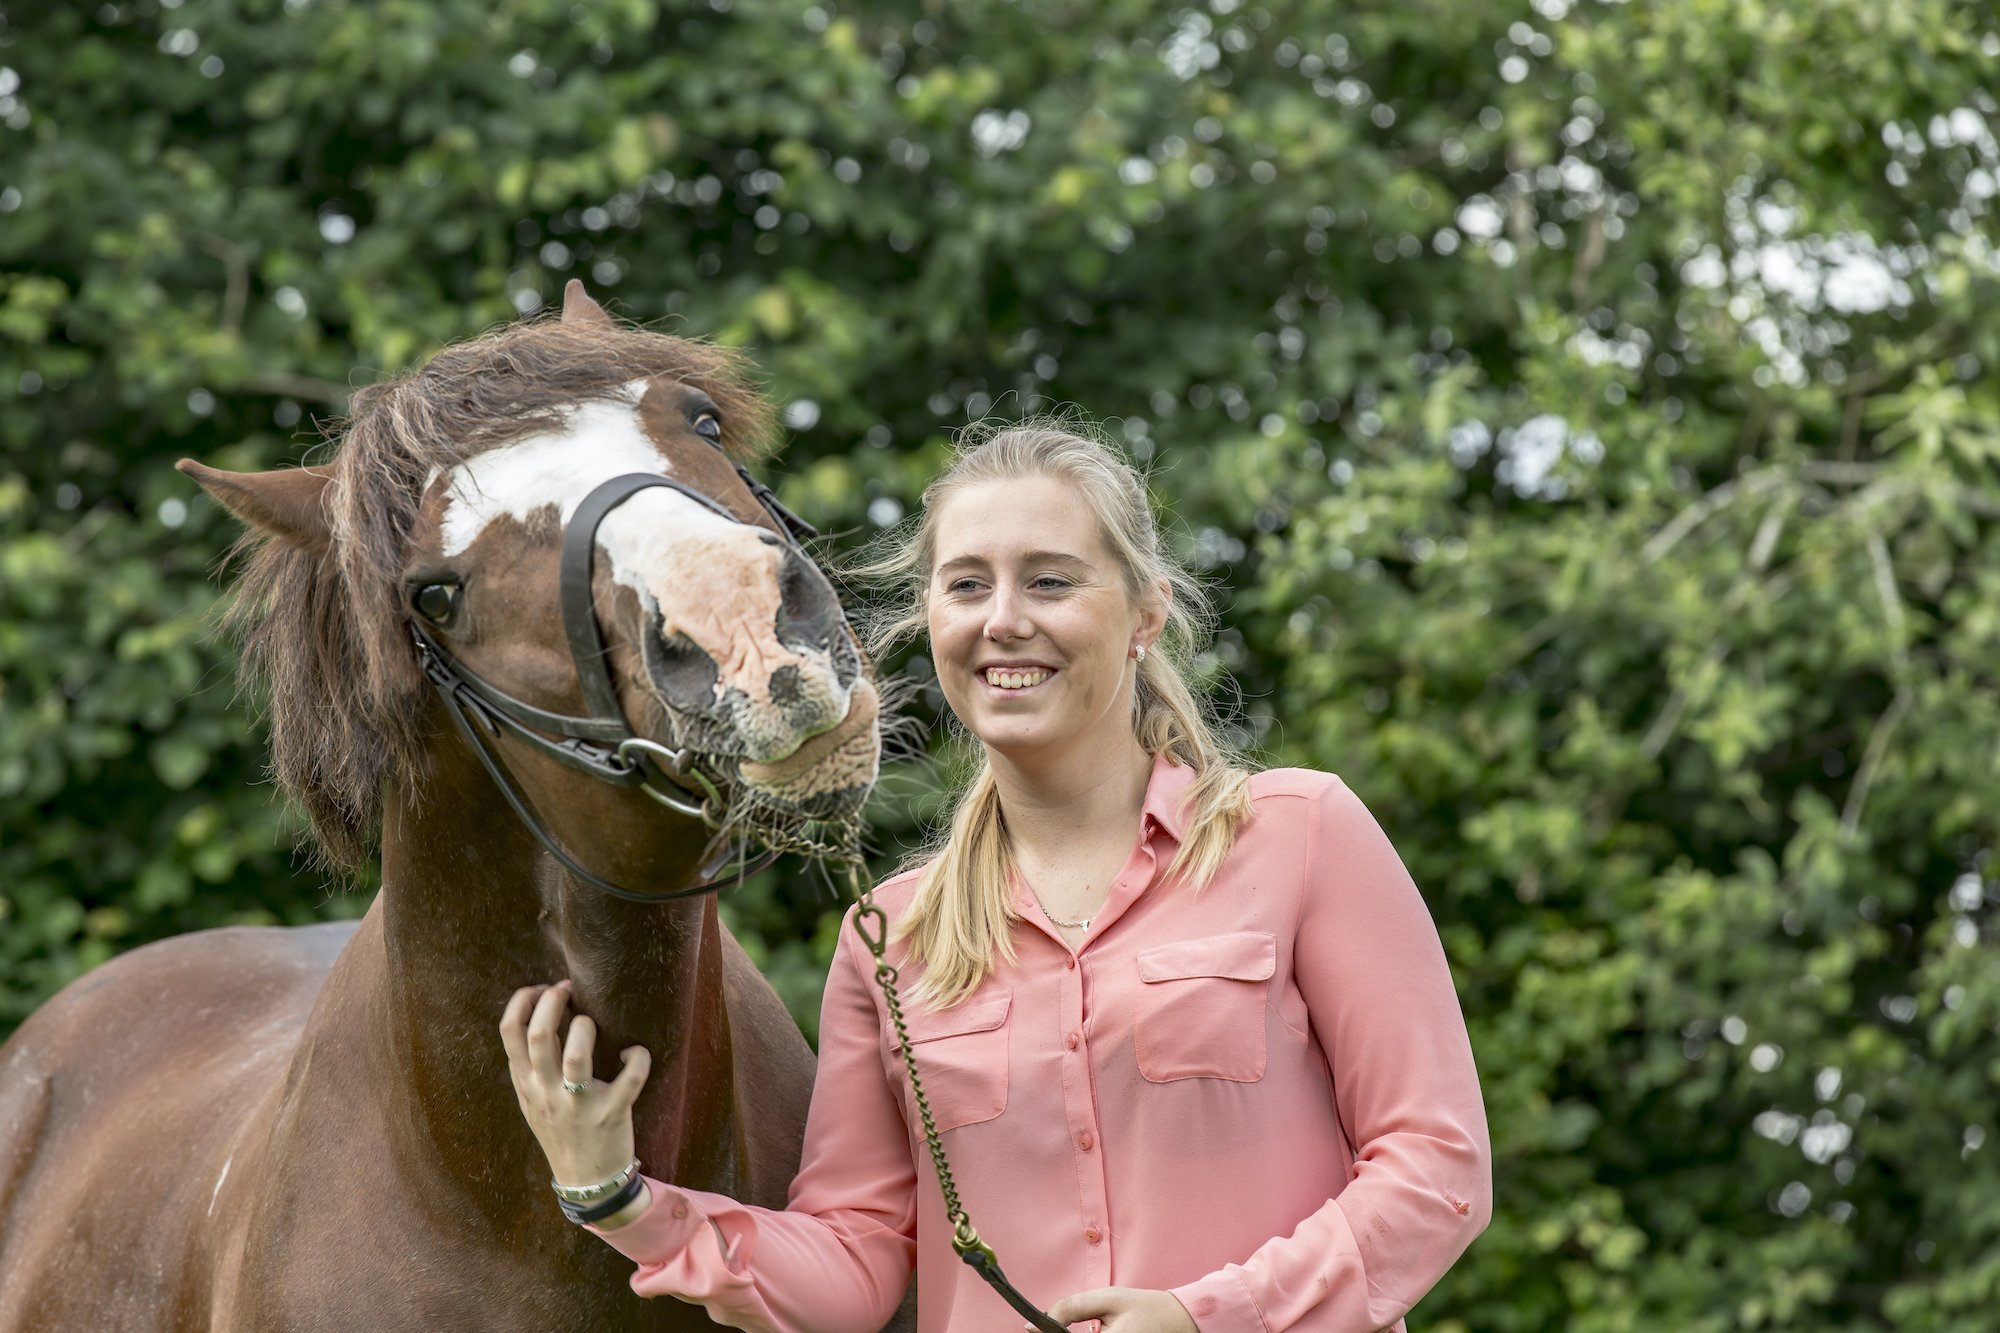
680	1210
1069	964
1070	1041
1085	1142
1093	1235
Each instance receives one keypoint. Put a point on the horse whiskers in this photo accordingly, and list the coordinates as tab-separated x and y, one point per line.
752	820
786	830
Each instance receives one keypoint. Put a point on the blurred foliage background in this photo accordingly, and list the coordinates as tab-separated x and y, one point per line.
1585	410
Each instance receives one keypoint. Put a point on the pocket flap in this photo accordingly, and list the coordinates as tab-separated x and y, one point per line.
973	1016
1249	955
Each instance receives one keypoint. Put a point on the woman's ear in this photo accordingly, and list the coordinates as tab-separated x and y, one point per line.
1153	620
289	503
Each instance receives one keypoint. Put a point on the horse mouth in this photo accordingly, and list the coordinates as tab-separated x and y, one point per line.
830	774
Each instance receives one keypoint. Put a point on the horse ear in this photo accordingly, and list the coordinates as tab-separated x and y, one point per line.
286	503
578	308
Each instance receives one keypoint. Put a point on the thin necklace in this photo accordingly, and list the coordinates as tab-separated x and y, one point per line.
1056	920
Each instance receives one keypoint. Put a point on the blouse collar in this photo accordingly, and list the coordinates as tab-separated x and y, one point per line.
1164	793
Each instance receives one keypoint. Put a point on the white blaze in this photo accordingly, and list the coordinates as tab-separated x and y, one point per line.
597	441
709	577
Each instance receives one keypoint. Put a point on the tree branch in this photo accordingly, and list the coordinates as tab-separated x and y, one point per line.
236	294
1588	257
1841	474
1885	725
288	385
1850	426
1756	560
1688	519
1892	601
1871	760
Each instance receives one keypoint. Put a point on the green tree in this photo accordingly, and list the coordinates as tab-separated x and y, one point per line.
1587	405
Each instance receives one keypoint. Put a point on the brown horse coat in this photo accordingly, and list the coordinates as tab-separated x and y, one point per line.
263	1129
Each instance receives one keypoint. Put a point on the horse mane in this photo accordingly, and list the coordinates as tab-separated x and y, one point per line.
323	634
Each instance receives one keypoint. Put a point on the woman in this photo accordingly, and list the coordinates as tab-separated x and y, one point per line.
1189	1030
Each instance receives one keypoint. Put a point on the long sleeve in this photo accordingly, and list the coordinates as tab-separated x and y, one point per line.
1383	1008
839	1255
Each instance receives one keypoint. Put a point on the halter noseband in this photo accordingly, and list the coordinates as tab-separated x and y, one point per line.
601	744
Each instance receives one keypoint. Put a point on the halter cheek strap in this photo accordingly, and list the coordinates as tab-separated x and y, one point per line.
586	646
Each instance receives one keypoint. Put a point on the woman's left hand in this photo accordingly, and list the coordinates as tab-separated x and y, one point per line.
1125	1310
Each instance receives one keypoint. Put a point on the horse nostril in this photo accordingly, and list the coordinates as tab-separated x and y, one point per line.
787	687
684	675
808	612
770	539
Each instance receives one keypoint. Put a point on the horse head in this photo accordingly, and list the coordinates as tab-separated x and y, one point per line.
451	513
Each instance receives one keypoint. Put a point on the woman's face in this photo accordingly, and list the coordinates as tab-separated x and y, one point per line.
1030	622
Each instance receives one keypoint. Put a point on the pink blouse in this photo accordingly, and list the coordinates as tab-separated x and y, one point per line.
1259	1096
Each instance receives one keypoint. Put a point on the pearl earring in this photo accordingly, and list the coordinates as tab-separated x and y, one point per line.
1139	652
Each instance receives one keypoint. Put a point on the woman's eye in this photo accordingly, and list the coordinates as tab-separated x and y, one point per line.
1051	581
961	585
709	427
437	602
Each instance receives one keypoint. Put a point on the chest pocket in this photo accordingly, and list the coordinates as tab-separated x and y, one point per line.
962	1058
1201	1007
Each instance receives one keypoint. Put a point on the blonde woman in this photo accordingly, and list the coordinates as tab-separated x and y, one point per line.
1188	1029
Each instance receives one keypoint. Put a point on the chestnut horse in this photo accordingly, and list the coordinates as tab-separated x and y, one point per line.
313	1128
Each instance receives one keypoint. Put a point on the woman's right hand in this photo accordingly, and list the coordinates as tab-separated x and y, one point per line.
587	1136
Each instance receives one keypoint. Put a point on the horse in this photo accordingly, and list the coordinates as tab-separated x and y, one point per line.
313	1128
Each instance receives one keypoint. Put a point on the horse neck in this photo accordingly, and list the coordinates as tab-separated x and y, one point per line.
473	909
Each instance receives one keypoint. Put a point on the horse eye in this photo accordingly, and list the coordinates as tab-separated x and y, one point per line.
436	602
709	427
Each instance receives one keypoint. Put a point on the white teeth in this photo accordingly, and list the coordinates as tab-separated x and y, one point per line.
1015	680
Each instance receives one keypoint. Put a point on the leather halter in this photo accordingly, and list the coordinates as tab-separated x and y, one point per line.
602	743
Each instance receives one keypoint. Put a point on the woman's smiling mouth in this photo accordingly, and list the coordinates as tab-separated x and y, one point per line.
1014	680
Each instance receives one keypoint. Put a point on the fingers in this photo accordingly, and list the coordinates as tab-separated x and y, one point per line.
1085	1305
535	1058
542	1025
1123	1310
577	1050
514	1029
638	1063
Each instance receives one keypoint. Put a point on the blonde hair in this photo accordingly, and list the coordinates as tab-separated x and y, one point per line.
960	921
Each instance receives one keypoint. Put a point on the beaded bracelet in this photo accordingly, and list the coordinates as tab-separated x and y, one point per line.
603	1188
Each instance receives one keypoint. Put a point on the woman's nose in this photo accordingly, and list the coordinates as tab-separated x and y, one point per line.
1006	616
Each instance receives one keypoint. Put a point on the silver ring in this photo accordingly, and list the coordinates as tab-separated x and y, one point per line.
575	1089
